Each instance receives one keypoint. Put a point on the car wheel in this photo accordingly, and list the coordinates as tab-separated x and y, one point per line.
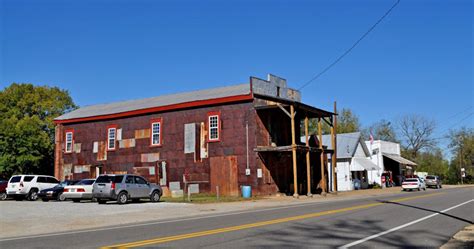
33	195
424	189
45	199
61	197
440	186
101	201
76	200
3	196
155	196
93	200
122	198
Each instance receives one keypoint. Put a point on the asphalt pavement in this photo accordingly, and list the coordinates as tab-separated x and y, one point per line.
425	219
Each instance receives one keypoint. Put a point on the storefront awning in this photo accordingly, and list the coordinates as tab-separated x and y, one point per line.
361	164
399	159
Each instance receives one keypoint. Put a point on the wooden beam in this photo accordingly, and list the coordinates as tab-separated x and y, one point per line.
334	147
323	177
285	111
293	149
308	164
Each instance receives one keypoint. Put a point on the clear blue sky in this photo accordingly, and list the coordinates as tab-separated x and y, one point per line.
418	60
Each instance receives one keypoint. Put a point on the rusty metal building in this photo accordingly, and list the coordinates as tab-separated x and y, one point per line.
221	138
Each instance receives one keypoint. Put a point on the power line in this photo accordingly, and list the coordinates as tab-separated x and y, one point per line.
351	48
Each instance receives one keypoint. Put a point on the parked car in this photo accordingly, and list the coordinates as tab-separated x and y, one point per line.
413	183
28	186
122	188
55	193
79	191
3	189
433	181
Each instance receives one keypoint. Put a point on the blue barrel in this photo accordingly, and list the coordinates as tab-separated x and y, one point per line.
246	191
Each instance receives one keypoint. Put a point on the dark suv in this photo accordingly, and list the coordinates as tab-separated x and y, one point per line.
433	181
122	188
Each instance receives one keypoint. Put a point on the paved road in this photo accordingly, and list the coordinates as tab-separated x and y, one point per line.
413	219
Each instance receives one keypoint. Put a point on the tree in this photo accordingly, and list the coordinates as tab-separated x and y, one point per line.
27	128
347	121
433	162
462	147
415	133
381	130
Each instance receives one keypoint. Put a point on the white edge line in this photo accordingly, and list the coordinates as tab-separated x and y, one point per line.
402	226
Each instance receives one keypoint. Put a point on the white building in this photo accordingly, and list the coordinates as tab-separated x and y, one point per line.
386	155
353	161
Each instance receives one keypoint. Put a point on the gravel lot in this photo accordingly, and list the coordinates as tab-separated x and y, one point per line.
22	218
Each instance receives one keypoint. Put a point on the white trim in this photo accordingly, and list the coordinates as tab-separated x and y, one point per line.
71	142
109	138
214	127
158	133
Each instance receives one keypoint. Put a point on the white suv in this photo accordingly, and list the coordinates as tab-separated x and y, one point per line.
21	186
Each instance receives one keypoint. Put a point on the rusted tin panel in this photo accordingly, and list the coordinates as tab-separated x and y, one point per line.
150	157
224	175
127	143
143	133
102	154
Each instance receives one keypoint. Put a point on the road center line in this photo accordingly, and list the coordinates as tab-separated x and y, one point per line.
257	224
402	226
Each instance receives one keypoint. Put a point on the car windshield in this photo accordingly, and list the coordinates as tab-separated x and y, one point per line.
430	177
85	182
411	180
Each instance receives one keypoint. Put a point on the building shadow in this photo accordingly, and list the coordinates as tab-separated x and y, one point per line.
425	209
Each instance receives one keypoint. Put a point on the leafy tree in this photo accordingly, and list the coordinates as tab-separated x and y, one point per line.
347	121
27	128
432	162
382	130
462	146
415	132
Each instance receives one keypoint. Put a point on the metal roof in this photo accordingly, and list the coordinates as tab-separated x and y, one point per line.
364	163
346	144
399	159
164	100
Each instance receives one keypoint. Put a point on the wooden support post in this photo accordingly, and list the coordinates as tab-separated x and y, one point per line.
293	149
308	164
323	174
334	146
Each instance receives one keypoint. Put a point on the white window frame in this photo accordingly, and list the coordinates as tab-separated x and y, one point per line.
214	127
156	133
69	142
113	147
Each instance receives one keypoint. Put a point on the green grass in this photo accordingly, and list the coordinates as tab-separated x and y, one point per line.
209	198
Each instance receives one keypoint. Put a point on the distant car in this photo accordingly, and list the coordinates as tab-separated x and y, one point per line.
413	183
3	189
433	181
55	193
122	188
82	190
28	186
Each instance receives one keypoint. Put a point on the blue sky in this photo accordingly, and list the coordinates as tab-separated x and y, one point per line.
418	60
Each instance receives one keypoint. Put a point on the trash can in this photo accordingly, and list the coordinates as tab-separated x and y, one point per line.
246	191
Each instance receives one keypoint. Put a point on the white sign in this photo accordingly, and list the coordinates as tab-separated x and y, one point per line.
189	138
151	171
259	173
